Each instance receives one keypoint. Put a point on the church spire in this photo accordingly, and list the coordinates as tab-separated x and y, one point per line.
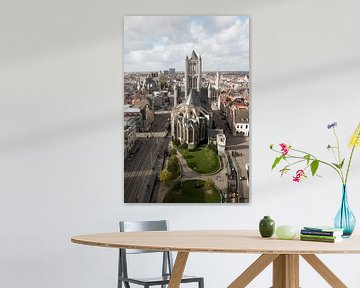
194	56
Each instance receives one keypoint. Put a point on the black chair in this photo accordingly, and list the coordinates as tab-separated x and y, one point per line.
167	265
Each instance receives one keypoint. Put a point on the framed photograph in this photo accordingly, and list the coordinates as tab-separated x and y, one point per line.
186	109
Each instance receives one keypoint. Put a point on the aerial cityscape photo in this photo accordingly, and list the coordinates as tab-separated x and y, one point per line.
186	109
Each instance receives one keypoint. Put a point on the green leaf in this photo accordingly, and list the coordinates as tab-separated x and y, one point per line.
271	146
339	166
276	161
336	165
314	166
342	163
307	157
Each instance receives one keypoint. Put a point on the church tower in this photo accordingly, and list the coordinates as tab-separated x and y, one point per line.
209	91
176	92
193	72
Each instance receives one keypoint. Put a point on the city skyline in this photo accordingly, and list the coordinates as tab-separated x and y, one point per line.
186	109
155	42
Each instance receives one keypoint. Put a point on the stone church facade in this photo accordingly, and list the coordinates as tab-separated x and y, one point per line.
191	119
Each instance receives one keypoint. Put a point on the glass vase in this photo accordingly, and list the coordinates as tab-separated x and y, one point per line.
345	219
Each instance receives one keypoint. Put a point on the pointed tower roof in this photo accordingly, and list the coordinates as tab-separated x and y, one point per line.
193	55
192	99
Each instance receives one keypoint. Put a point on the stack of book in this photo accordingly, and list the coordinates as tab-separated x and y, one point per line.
321	234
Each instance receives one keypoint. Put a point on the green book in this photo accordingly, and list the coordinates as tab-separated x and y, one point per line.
319	236
325	240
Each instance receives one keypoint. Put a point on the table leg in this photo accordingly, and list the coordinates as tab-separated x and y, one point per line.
178	270
324	271
253	270
286	271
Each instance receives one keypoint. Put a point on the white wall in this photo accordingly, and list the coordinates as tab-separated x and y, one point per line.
61	169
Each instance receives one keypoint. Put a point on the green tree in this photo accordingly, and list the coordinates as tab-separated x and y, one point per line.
209	184
212	147
173	165
176	142
165	176
184	145
163	83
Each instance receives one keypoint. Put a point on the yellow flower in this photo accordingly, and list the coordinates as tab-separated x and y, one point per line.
355	137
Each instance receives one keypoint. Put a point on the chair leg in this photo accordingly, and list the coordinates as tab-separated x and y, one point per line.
119	270
126	284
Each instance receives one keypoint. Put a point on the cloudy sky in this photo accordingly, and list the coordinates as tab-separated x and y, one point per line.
159	42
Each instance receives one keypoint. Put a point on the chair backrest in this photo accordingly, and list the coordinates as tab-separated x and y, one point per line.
134	226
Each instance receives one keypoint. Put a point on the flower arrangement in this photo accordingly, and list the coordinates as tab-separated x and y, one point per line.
293	156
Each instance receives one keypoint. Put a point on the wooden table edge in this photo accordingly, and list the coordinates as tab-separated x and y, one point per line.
206	250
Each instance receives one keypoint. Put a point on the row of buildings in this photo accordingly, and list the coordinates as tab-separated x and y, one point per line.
191	101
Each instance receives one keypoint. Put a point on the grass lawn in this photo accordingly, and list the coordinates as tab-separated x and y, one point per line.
192	191
202	159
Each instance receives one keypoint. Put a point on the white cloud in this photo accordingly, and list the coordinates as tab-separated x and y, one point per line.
160	42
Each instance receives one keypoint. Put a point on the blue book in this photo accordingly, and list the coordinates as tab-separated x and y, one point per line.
322	231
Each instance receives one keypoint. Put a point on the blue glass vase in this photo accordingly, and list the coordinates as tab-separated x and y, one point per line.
345	219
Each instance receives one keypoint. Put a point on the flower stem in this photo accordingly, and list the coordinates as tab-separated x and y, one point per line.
339	156
333	152
348	167
320	161
296	162
300	151
338	146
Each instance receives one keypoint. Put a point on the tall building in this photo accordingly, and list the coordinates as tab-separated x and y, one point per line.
193	70
190	120
176	94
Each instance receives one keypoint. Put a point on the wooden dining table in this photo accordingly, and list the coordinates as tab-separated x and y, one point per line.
283	254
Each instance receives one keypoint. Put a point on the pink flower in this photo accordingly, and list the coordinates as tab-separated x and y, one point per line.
300	174
284	148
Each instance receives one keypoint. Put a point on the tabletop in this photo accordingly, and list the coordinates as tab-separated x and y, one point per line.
216	241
